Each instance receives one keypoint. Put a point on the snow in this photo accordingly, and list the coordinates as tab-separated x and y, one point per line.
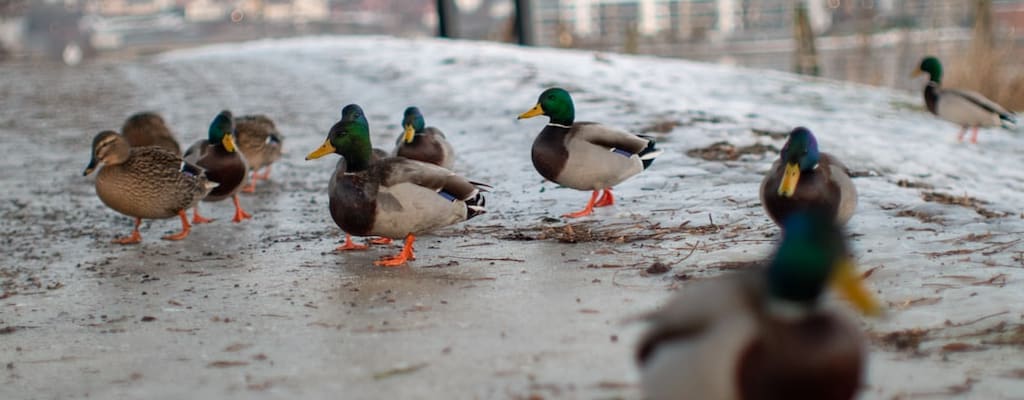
473	91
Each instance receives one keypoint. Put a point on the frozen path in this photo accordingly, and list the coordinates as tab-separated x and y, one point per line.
503	306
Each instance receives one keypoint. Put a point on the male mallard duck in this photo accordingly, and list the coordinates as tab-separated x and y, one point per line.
260	143
802	178
149	129
393	197
762	334
585	155
145	182
340	168
962	107
223	163
420	143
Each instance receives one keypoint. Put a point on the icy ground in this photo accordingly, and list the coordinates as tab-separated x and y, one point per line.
515	304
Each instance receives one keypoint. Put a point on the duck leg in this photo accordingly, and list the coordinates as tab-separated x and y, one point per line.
185	228
251	186
960	135
974	135
402	257
606	199
265	175
134	238
586	211
199	219
381	240
350	245
240	214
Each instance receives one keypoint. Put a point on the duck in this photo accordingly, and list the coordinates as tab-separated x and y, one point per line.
423	143
224	164
392	197
965	108
764	333
261	143
147	128
585	155
349	244
803	177
145	182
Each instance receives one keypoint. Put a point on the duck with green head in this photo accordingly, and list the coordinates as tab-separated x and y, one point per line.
764	334
260	143
423	143
223	162
585	155
805	178
962	107
148	128
145	182
392	197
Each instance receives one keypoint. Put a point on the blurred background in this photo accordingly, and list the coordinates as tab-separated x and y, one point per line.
876	42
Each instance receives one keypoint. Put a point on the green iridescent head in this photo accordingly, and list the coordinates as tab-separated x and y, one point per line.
222	130
931	66
556	103
412	123
349	138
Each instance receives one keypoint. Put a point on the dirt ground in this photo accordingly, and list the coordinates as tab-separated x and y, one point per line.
515	304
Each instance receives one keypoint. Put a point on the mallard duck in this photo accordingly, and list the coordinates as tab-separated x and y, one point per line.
260	143
421	143
802	177
962	107
393	197
149	129
223	163
763	334
349	245
585	155
145	182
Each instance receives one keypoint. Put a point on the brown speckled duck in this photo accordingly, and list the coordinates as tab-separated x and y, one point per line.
260	143
763	334
423	143
393	197
803	178
145	182
585	155
223	163
149	129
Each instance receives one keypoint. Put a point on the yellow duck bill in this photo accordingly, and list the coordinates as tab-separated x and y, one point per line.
229	143
535	111
325	149
790	180
846	280
409	134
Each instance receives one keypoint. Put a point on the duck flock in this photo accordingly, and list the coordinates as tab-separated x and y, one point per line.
758	334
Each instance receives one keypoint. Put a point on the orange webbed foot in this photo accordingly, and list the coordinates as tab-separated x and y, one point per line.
185	228
381	240
240	214
134	238
350	245
402	257
199	219
251	187
589	209
607	199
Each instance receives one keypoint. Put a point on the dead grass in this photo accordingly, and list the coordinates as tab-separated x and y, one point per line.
995	73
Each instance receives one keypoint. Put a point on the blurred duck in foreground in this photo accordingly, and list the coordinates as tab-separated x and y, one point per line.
962	107
393	197
803	178
149	129
145	182
585	155
260	142
219	156
763	333
423	143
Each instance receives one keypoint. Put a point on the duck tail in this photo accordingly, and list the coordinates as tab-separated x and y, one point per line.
1009	120
649	153
475	204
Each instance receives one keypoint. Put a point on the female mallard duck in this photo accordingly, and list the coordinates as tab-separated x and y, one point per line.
585	155
762	334
145	182
149	129
802	178
223	163
393	197
260	143
962	107
421	143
